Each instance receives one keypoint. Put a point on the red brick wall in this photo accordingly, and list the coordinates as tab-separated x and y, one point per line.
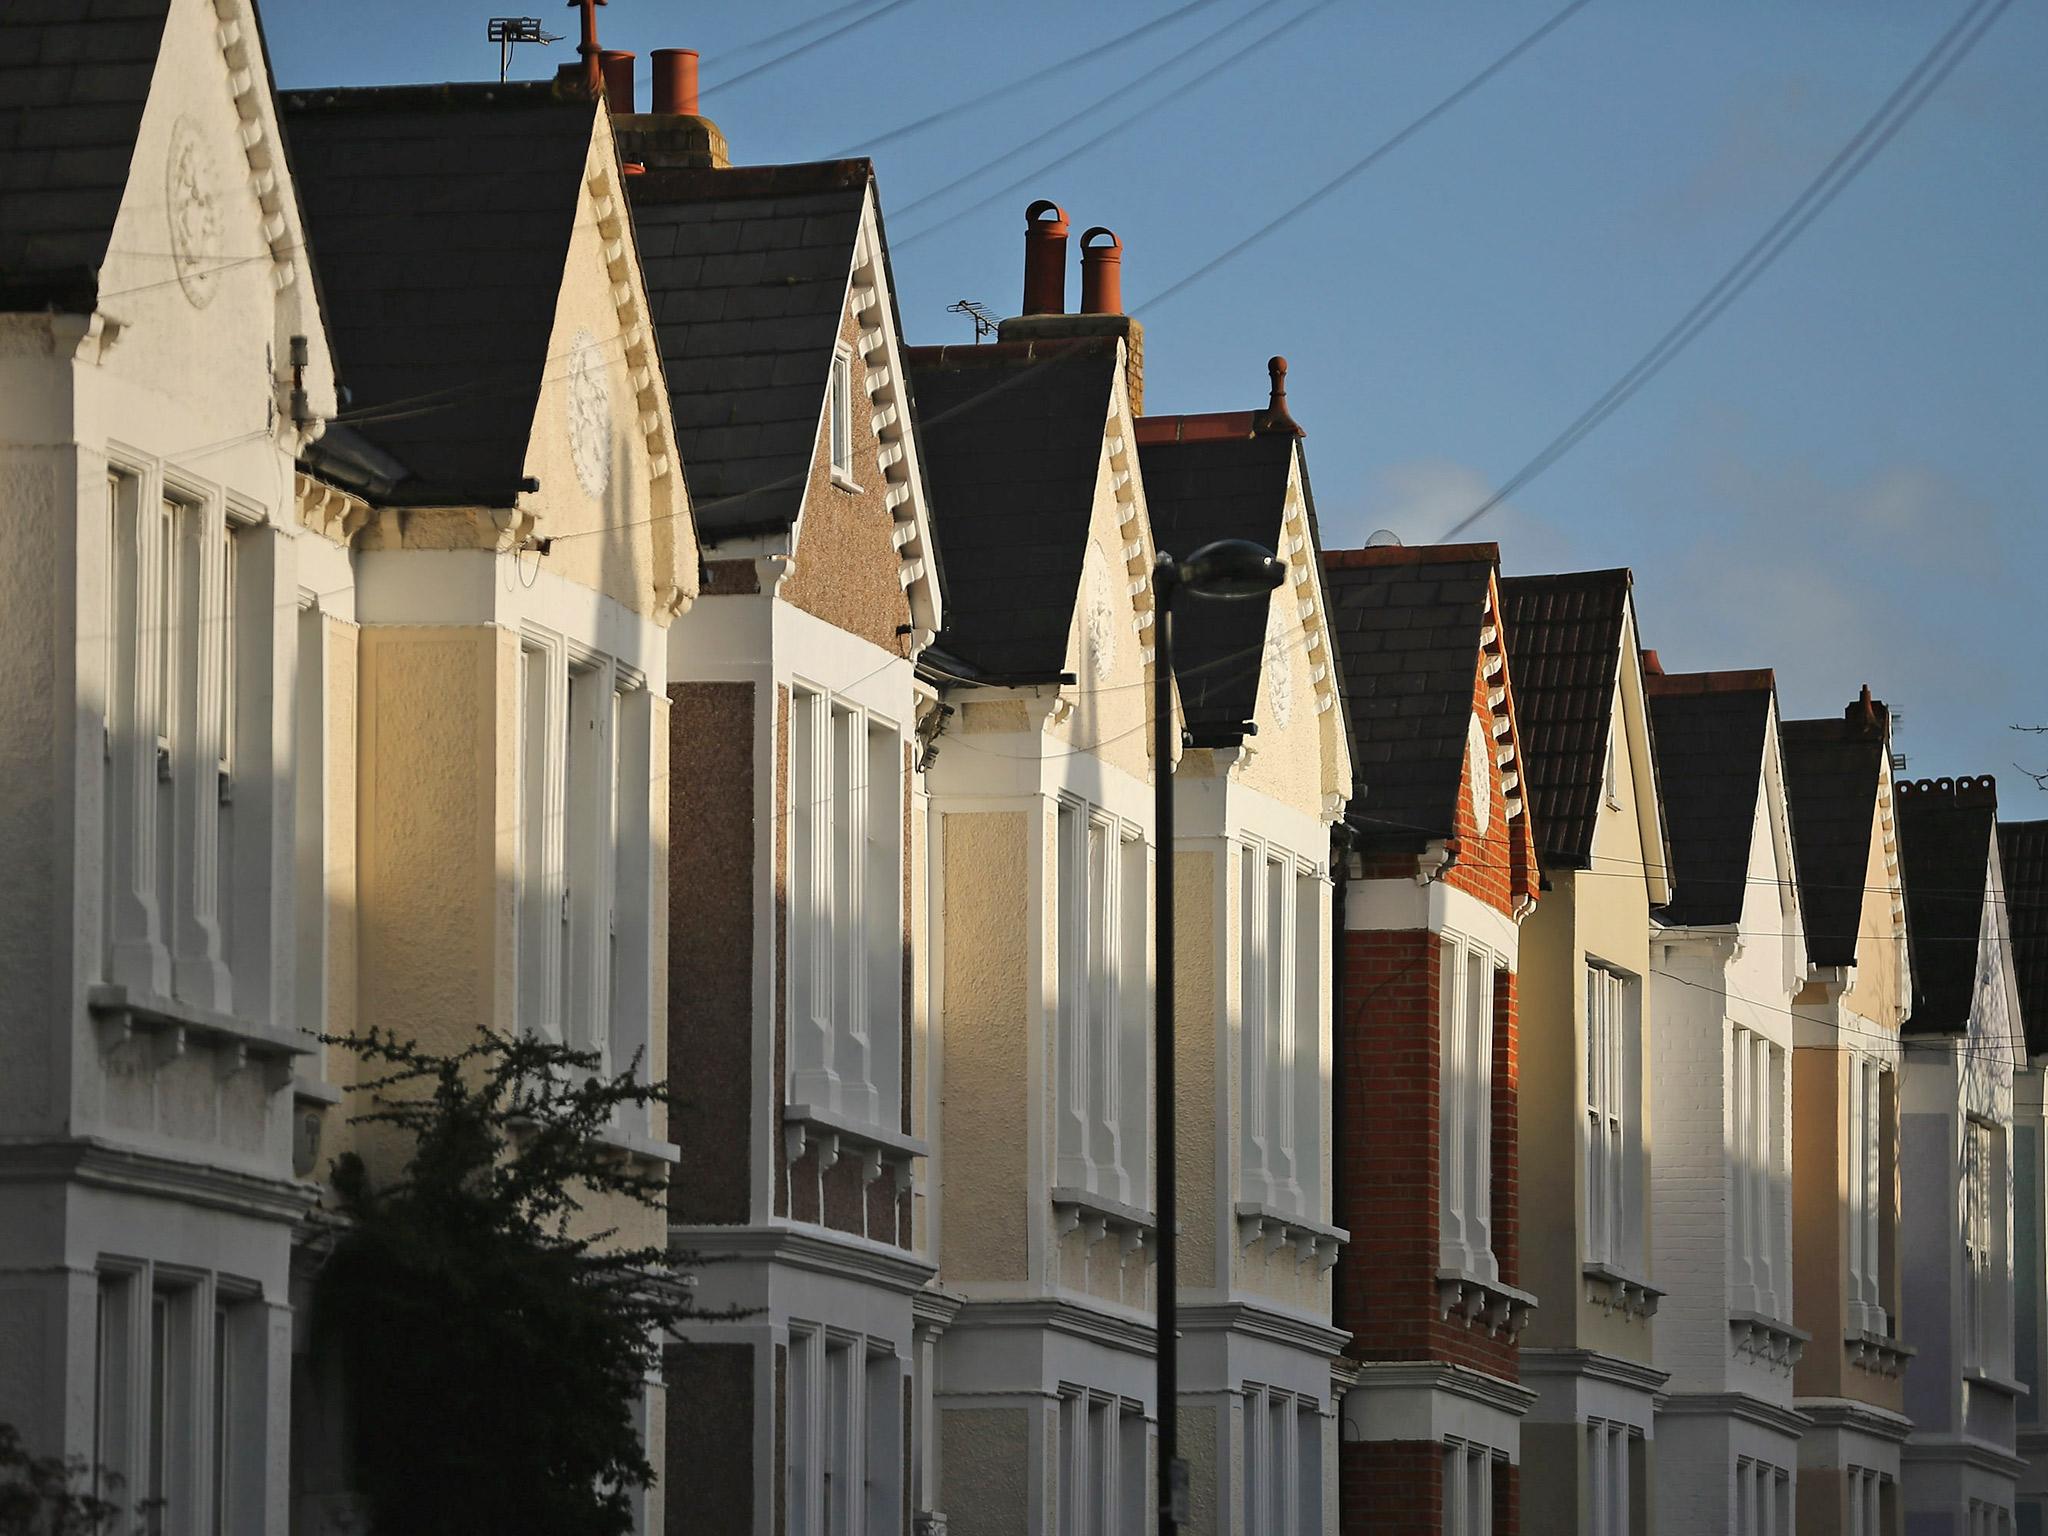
1391	1488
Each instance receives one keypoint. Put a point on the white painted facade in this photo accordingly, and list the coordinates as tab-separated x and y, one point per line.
1960	1464
1721	1188
153	1014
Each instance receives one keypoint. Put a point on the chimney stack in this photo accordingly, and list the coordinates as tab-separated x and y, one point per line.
618	79
674	134
1102	274
675	82
1045	316
1045	258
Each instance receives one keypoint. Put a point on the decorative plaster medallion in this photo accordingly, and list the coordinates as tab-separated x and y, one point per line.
192	207
1279	674
1101	630
1478	773
590	415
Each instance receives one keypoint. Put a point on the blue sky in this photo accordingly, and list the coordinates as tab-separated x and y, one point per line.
1840	479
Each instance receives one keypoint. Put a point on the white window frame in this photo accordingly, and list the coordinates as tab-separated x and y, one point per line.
1102	917
1986	1273
1281	961
1611	1117
1867	1146
846	915
1468	1489
1102	1455
1469	980
1758	1174
1610	1498
839	427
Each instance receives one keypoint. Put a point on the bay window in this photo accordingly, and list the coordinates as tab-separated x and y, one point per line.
1866	1155
846	918
1758	1181
1104	1452
1465	1114
1611	1478
1280	938
186	656
843	1433
583	912
1987	1291
1468	1490
1101	919
1283	1452
1613	1119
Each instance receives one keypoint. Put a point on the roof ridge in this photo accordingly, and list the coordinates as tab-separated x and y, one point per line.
1678	685
1410	554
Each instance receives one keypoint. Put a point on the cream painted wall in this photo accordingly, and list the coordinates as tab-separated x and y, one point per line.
1600	913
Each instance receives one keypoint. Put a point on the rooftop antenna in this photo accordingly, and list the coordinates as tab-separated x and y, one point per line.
984	322
508	32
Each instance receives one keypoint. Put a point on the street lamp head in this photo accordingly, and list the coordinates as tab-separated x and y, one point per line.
1231	568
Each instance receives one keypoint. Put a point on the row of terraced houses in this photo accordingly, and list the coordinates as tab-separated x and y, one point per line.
478	557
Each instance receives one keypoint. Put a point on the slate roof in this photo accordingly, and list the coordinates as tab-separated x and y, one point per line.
1407	624
747	271
1564	633
74	78
2023	860
1832	771
1945	832
1013	442
439	218
1197	492
1710	730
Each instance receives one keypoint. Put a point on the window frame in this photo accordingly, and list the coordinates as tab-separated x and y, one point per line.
1611	1115
1281	965
1101	930
839	412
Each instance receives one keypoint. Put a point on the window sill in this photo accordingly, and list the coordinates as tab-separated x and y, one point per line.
316	1090
1620	1292
1768	1340
1878	1353
172	1027
1311	1240
1991	1381
639	1148
1476	1299
805	1127
845	482
1097	1216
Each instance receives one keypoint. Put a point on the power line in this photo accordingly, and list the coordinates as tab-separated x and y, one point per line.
1001	92
795	29
1865	145
1360	166
1063	123
803	48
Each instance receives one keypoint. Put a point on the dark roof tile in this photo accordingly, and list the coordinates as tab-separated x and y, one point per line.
2023	860
1945	832
1710	756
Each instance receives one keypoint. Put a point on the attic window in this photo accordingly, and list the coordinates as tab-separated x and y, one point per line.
1609	786
842	418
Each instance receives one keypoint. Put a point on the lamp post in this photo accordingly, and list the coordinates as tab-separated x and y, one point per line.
1228	568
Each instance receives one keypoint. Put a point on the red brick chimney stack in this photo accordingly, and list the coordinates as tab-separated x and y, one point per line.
673	134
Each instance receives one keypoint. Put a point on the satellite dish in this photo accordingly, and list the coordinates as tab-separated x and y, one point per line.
1383	538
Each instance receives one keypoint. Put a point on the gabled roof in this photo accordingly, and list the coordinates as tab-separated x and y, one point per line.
747	270
1565	634
439	218
2023	860
1198	491
1711	730
1834	769
1946	828
74	79
1013	441
1408	627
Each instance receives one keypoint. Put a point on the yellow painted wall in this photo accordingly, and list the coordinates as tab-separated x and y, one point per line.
987	932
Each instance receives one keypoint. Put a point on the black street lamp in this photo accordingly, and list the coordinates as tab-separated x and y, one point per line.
1228	568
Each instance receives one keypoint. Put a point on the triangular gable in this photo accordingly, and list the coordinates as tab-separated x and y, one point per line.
1713	736
204	261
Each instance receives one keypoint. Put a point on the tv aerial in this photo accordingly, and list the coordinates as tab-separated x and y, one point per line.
508	32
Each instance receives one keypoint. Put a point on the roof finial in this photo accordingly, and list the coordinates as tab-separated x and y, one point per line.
1274	420
593	66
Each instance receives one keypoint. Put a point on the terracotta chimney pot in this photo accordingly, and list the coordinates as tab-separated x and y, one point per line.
1102	274
1045	258
618	79
675	81
1651	665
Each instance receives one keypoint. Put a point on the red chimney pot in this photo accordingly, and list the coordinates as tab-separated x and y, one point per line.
618	78
1102	274
1651	665
1045	258
675	81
